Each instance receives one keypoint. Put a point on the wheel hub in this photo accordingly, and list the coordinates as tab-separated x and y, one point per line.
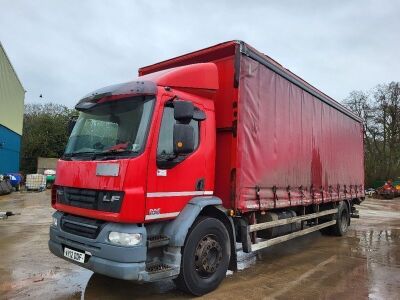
208	255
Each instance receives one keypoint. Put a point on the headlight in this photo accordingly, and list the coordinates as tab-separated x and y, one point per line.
54	222
125	239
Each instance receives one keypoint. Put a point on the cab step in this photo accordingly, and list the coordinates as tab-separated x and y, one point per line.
159	271
156	241
158	268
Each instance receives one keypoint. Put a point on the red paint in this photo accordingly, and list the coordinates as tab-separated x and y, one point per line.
198	76
290	146
289	140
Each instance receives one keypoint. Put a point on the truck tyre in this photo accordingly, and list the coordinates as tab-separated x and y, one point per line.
342	220
205	257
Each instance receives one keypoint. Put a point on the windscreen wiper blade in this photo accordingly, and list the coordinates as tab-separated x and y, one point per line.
113	153
83	153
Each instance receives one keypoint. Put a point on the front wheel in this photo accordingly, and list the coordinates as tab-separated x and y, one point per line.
205	257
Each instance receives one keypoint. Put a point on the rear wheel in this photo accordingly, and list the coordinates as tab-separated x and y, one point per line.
342	220
205	257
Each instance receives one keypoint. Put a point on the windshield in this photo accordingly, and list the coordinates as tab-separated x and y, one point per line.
115	127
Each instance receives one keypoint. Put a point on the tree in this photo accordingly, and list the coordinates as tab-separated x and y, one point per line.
45	133
380	109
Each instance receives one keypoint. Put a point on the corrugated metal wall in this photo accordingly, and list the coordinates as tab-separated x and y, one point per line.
11	115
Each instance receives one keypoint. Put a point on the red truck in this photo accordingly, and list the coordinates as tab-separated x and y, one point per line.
164	176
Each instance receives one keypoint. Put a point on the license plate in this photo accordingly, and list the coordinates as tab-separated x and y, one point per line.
74	255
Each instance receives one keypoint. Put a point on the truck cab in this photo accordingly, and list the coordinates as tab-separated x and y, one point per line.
137	154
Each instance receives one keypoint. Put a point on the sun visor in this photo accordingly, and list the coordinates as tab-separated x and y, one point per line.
131	88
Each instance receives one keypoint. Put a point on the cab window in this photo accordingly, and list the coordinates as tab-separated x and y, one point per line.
165	140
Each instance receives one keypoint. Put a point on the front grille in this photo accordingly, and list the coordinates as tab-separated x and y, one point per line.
81	197
109	201
85	227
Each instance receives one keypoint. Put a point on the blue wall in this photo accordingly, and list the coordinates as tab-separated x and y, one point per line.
10	144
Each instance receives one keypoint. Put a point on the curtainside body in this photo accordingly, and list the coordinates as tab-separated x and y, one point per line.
280	141
163	177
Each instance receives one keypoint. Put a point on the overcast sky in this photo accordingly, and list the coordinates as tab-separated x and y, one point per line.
65	49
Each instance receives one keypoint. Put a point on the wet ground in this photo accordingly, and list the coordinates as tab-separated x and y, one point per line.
364	264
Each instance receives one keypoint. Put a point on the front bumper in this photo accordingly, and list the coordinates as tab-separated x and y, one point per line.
120	262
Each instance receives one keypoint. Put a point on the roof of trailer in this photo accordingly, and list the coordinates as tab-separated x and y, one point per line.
234	47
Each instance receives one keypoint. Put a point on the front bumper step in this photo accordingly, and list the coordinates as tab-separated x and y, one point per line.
151	269
160	271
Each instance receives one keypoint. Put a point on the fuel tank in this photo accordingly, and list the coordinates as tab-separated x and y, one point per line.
279	230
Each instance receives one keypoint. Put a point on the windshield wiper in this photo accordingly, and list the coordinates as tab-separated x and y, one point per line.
83	153
109	154
113	153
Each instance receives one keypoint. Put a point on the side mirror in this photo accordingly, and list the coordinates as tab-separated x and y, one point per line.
183	111
71	124
183	139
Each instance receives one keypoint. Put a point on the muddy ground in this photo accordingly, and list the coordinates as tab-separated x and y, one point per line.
364	264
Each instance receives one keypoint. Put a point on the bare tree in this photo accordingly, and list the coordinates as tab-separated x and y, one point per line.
380	110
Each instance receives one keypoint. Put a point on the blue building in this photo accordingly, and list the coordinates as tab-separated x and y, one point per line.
12	96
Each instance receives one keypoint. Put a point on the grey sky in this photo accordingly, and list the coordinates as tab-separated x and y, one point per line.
65	49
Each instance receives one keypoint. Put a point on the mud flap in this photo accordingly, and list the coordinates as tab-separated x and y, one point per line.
245	236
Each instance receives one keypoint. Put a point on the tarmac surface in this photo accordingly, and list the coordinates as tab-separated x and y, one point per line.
363	264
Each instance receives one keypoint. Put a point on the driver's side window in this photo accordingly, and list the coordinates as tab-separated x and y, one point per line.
165	140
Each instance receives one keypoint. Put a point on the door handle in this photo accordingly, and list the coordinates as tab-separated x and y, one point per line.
200	184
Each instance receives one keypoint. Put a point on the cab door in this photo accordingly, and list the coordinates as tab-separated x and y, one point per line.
173	181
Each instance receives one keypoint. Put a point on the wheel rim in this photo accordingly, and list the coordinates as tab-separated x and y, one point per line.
343	221
208	256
